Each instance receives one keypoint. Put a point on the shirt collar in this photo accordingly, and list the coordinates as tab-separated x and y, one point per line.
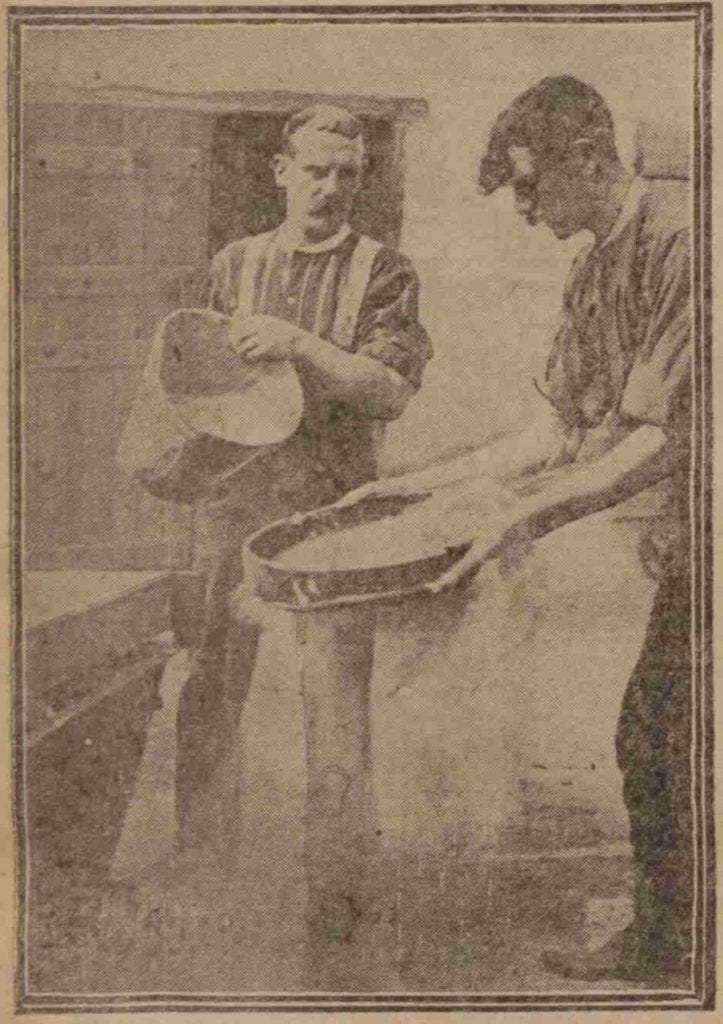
333	242
631	203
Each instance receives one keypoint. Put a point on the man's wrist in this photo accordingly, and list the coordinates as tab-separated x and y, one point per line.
302	345
519	518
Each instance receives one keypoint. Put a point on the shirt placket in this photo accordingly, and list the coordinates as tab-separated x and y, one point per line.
295	274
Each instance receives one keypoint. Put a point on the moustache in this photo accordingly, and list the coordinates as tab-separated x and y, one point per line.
324	208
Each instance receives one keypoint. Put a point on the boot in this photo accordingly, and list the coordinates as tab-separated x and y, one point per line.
625	956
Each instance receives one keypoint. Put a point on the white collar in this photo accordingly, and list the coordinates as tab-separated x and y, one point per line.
333	242
631	203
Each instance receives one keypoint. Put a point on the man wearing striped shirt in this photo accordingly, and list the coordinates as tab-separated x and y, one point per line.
343	309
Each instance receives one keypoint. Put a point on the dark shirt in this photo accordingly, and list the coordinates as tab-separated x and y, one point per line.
623	351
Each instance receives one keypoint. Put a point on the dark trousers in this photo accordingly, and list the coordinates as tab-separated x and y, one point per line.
209	709
653	750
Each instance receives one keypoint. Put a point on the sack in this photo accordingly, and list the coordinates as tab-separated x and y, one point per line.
189	472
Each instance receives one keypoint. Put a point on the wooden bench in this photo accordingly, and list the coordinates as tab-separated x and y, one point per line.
95	646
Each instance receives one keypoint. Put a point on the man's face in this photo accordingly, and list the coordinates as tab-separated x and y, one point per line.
321	179
557	195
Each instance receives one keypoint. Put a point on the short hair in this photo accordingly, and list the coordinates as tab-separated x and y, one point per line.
321	118
547	119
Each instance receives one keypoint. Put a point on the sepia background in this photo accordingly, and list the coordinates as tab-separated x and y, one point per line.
144	150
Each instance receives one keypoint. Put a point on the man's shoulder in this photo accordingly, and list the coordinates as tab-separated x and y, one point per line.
234	251
388	260
666	208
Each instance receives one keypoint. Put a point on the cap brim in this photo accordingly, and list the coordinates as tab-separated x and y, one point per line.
493	173
216	391
267	413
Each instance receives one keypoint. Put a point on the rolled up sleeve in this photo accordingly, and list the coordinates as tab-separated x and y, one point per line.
223	278
658	388
388	327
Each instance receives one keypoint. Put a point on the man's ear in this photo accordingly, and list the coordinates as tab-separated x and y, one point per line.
585	158
280	164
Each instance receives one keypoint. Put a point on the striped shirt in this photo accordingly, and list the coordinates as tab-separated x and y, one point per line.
305	285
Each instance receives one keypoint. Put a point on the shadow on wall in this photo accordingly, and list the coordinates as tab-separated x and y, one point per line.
490	341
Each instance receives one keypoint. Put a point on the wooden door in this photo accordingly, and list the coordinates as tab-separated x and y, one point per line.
115	235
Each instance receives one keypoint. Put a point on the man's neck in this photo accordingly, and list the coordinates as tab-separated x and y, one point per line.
296	238
608	210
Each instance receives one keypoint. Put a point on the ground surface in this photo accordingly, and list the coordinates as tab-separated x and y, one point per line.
500	823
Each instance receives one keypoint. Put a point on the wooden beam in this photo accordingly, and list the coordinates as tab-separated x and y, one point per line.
390	108
141	555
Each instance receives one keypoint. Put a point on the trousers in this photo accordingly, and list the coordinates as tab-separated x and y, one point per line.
213	695
225	648
653	746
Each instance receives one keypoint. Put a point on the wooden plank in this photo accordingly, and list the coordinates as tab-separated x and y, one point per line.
71	123
39	327
96	282
87	226
95	639
175	222
117	683
50	596
178	162
114	222
103	126
80	510
94	452
39	222
103	161
260	101
54	209
82	332
50	470
94	745
46	159
43	281
118	552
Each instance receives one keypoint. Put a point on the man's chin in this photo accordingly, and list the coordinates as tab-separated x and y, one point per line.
319	229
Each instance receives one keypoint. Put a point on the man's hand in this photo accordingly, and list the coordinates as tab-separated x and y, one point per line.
367	385
387	487
639	460
264	338
457	490
496	539
462	572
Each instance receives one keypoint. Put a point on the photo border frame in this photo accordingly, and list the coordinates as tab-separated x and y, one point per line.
702	994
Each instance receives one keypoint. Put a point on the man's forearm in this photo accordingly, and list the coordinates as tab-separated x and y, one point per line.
520	452
641	460
365	384
505	458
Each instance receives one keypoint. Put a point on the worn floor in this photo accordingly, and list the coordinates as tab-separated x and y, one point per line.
501	829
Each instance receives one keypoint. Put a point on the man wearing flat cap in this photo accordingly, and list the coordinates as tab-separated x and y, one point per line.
618	383
342	310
